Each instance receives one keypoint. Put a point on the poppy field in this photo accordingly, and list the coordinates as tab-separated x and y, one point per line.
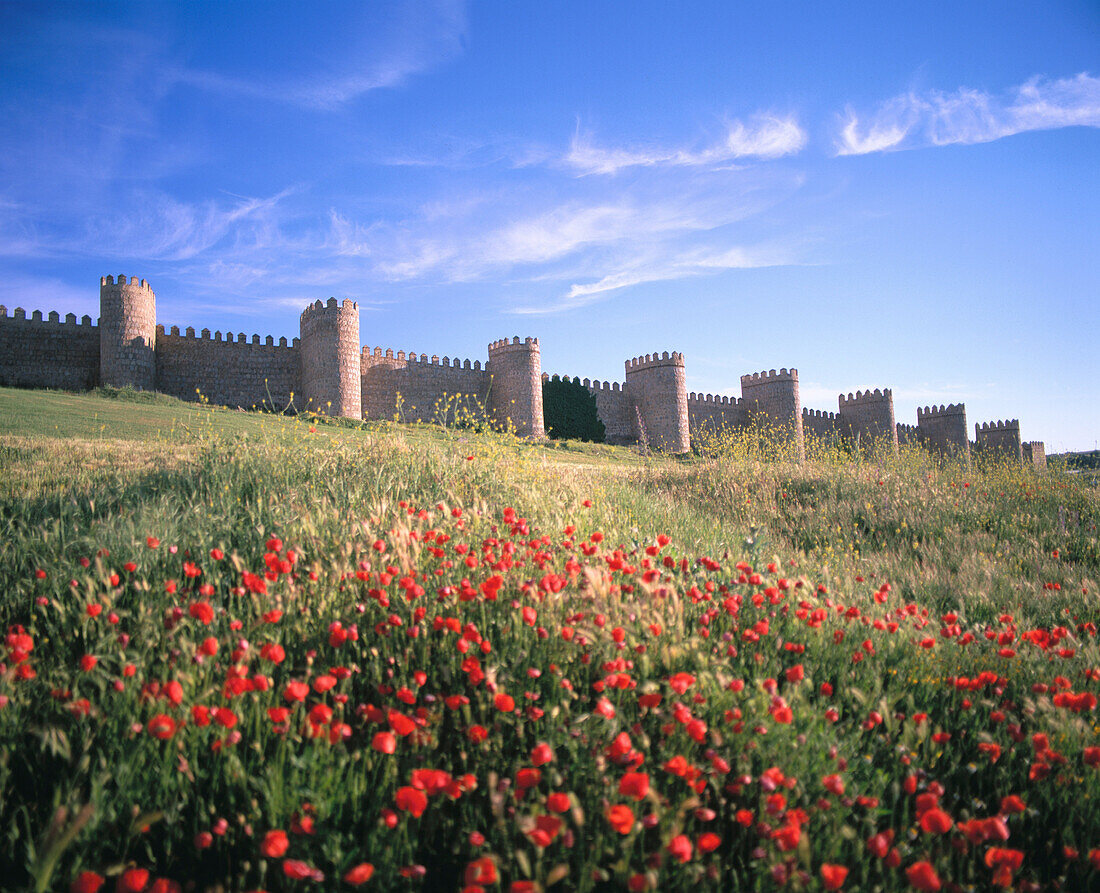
311	657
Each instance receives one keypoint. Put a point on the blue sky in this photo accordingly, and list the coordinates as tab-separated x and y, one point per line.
899	195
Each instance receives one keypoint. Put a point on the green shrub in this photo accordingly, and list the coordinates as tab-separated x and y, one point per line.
569	410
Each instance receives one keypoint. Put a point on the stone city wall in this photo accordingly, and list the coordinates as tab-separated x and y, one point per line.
999	439
715	411
658	389
824	426
236	372
326	370
417	388
48	353
869	416
943	429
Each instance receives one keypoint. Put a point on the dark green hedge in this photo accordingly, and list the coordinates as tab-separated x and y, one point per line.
569	411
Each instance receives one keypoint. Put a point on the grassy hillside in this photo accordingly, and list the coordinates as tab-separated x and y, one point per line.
248	651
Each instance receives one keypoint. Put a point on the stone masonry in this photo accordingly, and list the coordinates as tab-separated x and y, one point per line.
326	371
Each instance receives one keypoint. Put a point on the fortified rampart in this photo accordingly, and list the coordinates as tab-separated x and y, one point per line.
869	416
515	388
772	400
999	439
1035	454
715	411
227	370
48	353
413	387
658	389
826	427
943	429
127	333
325	370
331	382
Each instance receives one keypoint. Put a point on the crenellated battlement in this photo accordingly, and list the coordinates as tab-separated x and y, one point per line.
133	283
759	378
503	344
868	396
714	400
376	355
52	318
515	396
990	427
323	308
216	338
127	333
951	409
653	360
330	361
327	370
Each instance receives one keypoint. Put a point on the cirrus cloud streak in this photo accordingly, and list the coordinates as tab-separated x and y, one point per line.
969	116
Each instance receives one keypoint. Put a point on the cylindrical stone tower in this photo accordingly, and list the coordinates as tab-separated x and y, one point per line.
127	333
775	395
657	387
943	429
515	388
999	439
869	416
331	380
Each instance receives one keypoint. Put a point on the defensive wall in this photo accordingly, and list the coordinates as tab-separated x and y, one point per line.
326	370
999	439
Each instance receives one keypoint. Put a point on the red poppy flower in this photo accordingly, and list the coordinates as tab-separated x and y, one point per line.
132	880
301	871
833	876
360	874
621	818
527	778
680	847
323	683
480	872
87	882
411	800
225	717
545	830
275	844
202	611
936	821
634	784
787	837
709	842
922	876
542	754
681	682
384	742
296	691
505	703
557	802
161	726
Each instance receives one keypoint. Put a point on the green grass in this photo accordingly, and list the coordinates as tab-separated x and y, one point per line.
546	560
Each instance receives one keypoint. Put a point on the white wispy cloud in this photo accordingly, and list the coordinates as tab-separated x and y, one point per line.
660	264
967	116
165	228
368	57
765	137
